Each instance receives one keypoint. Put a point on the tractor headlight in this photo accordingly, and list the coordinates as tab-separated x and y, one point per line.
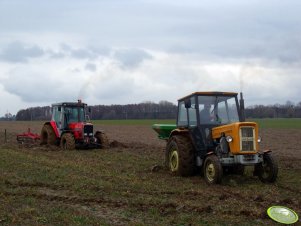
85	134
259	139
229	139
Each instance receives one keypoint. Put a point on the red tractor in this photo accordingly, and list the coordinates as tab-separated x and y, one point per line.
69	128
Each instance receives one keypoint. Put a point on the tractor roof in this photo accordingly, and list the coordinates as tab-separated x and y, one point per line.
212	93
70	104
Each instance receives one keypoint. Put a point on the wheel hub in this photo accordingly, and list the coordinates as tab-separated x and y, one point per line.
210	172
174	160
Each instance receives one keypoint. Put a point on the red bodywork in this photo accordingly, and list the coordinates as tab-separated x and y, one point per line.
76	128
55	129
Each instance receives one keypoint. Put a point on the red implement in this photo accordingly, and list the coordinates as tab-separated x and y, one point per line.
28	138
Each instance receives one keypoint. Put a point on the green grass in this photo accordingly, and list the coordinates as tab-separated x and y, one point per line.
280	123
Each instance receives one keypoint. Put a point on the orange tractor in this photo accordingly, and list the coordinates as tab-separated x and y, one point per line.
69	128
211	135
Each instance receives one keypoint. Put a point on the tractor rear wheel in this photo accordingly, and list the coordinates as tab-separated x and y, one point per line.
102	140
267	171
179	156
213	170
48	135
67	141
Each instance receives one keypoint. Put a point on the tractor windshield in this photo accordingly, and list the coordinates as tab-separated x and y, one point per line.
74	114
218	109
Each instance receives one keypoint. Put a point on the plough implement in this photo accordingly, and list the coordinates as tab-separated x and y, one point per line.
28	138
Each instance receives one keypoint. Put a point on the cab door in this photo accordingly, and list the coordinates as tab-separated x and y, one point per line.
57	117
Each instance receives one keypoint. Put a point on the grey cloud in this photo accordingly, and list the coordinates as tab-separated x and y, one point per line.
56	55
33	86
83	54
65	47
90	67
130	58
227	29
19	52
124	86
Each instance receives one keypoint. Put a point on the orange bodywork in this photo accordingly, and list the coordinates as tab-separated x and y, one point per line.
233	130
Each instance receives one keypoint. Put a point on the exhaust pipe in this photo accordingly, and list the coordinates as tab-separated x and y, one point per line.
242	108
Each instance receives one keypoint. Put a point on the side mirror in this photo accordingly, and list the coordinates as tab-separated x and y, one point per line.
59	109
188	103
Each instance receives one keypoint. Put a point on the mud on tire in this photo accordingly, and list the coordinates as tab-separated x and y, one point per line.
179	155
268	170
67	142
48	135
102	140
213	170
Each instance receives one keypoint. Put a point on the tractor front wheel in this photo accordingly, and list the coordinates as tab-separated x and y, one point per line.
48	135
67	141
102	140
213	170
179	155
267	171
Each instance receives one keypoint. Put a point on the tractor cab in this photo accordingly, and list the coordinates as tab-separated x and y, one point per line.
208	108
201	112
69	115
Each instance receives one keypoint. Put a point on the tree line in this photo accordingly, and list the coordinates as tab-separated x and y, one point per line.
288	110
146	110
161	110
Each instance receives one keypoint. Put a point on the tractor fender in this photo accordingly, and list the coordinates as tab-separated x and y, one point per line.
54	127
210	153
178	131
265	151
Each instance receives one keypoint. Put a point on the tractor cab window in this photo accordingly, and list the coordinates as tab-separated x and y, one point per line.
207	107
74	114
56	115
217	109
182	114
227	111
192	113
187	113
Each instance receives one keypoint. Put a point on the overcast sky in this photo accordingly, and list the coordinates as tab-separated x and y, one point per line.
130	51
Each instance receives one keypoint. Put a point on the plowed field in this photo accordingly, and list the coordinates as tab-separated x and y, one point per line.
128	185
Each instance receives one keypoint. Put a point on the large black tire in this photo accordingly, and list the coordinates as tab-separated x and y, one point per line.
213	170
67	142
48	135
180	156
102	140
267	171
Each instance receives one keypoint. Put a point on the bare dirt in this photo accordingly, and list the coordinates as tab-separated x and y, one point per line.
119	136
285	143
222	201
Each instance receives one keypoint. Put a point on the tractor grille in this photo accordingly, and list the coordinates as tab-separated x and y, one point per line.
247	139
88	129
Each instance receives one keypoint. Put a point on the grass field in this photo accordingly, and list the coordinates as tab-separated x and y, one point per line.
294	123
